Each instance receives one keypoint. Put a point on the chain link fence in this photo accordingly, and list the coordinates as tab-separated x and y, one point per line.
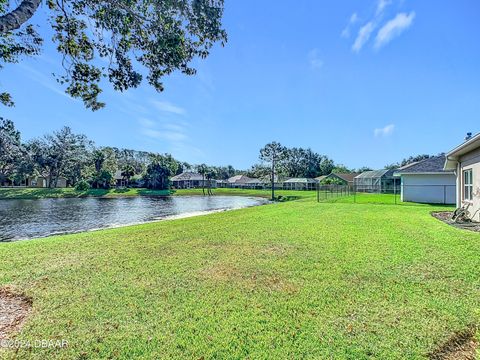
397	194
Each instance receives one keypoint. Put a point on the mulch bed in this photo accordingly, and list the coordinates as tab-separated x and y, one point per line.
446	217
14	309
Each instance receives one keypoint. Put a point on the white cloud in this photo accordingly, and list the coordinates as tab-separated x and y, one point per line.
314	59
146	122
173	136
385	131
166	106
394	28
346	31
381	5
363	35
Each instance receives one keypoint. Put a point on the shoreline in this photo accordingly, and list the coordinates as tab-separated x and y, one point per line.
155	220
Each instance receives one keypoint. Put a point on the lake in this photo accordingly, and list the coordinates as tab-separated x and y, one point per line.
27	219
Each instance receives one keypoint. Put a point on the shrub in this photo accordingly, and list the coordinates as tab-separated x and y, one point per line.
82	186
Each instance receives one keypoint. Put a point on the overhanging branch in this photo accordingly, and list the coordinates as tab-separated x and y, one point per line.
14	19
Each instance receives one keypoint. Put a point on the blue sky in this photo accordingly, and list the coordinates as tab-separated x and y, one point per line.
365	82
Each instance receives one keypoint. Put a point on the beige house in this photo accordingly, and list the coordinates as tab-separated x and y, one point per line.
43	182
465	161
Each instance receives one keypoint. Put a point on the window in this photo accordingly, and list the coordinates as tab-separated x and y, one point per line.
467	185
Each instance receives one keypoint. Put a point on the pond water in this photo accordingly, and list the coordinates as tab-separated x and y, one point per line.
26	219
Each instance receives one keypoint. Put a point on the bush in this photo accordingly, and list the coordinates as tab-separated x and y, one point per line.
82	186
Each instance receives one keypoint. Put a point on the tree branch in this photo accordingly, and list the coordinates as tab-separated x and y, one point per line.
14	19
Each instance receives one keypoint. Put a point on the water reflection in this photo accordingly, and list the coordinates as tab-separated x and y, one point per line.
25	219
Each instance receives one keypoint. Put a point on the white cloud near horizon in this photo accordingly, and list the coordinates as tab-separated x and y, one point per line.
393	28
314	59
385	131
166	106
363	35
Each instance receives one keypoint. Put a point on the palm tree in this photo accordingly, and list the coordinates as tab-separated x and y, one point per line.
203	170
127	172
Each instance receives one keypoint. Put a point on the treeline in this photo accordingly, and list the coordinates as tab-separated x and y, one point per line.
63	154
295	162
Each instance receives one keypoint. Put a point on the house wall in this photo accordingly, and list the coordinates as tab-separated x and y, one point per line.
470	160
429	188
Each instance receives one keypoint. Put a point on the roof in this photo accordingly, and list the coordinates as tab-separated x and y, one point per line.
301	180
462	149
433	165
348	177
187	176
253	181
376	174
320	178
239	179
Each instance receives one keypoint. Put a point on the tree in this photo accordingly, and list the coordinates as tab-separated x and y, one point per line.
341	169
363	169
409	160
11	150
55	154
159	171
203	170
127	172
159	36
210	175
273	153
105	165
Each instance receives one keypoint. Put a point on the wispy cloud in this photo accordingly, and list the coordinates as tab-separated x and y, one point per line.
381	5
346	31
168	107
172	136
363	35
393	28
314	59
385	131
44	80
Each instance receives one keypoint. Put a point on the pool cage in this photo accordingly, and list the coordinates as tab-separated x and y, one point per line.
376	181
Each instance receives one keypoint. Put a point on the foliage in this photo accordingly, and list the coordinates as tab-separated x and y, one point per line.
408	160
159	171
10	149
341	169
132	37
332	181
82	185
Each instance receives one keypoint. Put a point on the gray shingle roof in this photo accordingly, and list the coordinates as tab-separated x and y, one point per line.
431	165
187	176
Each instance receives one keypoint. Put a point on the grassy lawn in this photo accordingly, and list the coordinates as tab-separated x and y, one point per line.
38	193
298	279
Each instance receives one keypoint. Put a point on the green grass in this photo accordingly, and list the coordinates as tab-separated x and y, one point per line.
41	193
298	279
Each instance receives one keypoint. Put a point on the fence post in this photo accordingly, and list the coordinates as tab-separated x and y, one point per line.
354	194
444	194
395	190
318	192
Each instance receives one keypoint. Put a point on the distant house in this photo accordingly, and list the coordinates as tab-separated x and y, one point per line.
465	161
376	181
340	178
427	181
188	180
300	184
44	182
239	181
119	179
